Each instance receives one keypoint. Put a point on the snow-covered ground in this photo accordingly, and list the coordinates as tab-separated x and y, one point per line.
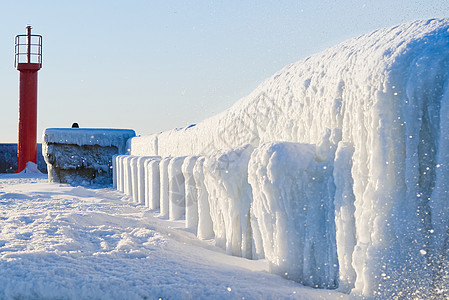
59	241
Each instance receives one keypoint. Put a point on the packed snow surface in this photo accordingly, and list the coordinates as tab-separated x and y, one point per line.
374	112
63	242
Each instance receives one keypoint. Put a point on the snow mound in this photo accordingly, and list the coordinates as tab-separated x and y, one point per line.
374	111
31	168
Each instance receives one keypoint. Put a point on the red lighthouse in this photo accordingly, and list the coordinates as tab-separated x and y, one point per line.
28	60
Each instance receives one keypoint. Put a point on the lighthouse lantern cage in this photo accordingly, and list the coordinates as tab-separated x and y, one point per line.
28	49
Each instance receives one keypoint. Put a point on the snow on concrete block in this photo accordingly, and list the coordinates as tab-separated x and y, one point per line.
152	183
205	227
191	193
291	199
226	180
176	189
83	155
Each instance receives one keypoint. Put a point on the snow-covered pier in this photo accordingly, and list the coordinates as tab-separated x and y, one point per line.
335	169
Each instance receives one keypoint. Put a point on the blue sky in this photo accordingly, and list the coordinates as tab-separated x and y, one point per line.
155	65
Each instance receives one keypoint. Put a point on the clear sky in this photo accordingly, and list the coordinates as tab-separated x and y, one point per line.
155	65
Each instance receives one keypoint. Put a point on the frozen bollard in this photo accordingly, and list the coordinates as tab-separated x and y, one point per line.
141	177
191	194
152	184
205	228
114	171
120	173
176	189
163	169
292	187
226	180
127	175
134	177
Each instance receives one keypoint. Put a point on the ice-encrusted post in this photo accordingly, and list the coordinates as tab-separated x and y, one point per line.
226	180
152	183
191	193
291	195
344	215
205	228
164	202
134	178
176	189
142	177
114	171
127	174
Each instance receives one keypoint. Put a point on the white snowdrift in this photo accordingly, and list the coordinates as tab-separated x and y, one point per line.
376	110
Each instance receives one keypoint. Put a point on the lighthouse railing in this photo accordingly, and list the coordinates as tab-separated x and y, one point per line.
28	51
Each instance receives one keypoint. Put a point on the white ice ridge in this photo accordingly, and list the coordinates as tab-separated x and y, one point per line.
89	136
347	164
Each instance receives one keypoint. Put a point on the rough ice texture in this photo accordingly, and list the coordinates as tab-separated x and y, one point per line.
344	215
293	209
79	164
164	185
83	155
226	180
104	137
191	192
176	189
205	226
381	101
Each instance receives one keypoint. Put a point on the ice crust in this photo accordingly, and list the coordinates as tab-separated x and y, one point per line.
226	180
345	178
292	201
89	136
191	192
83	155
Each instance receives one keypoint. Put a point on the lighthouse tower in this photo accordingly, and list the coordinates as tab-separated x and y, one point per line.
28	61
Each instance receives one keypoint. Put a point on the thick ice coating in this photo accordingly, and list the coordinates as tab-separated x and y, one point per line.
205	227
381	103
226	180
291	203
89	136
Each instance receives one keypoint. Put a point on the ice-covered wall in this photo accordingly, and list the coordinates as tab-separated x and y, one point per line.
103	137
375	110
83	155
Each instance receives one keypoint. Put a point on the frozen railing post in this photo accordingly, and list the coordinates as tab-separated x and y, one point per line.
28	60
